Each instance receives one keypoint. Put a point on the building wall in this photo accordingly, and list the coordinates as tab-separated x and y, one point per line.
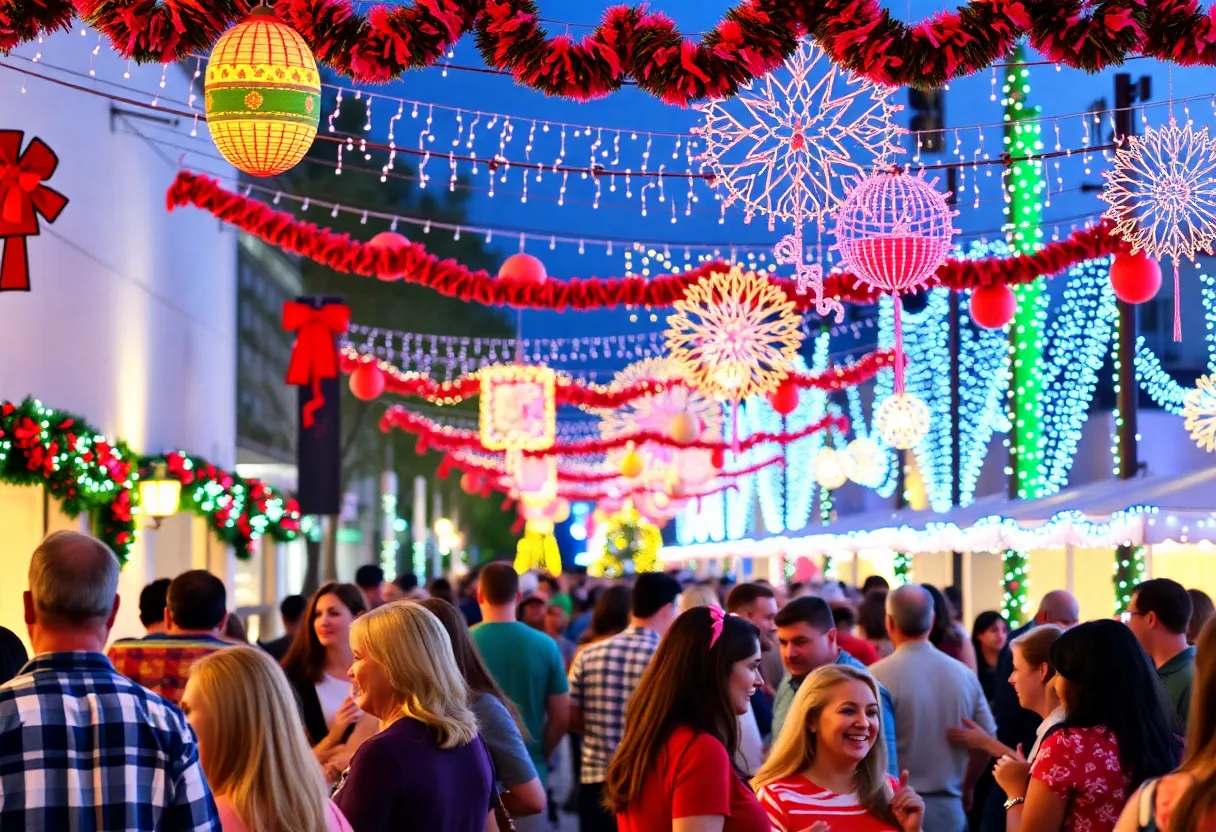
131	320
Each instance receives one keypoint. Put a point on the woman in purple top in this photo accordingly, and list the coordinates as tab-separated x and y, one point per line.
427	770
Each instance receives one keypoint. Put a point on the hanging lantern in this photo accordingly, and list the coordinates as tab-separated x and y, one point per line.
262	94
865	462
893	231
828	468
159	493
992	307
367	382
632	464
684	427
537	549
902	420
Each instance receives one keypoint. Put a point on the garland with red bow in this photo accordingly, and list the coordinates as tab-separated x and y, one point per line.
752	39
239	510
579	393
412	262
314	355
23	197
432	435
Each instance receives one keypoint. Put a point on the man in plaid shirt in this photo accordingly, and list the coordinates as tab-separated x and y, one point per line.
603	677
81	746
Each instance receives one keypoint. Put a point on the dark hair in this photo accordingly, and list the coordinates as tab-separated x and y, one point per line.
651	592
197	600
1202	611
530	601
686	684
1199	801
983	622
942	635
12	655
305	658
406	582
743	595
551	582
809	609
442	588
499	583
955	596
369	576
152	601
610	614
844	615
292	607
875	582
472	668
1113	684
872	615
1166	598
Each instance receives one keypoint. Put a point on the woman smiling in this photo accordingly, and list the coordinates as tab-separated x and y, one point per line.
827	770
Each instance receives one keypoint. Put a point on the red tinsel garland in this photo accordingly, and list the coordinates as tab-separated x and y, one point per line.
633	42
414	264
432	435
578	393
481	469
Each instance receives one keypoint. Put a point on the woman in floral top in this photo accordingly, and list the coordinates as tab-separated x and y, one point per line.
1116	734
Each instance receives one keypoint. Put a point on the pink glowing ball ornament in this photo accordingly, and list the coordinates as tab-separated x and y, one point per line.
392	241
1135	278
893	231
523	268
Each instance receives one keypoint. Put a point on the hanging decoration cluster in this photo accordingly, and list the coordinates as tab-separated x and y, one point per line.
537	550
1016	585
1162	195
1199	409
413	263
631	544
24	197
263	95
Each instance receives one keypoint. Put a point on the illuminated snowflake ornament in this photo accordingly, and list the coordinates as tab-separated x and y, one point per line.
790	145
1162	195
735	334
1200	412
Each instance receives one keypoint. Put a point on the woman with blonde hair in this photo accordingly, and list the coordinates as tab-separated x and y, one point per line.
427	770
253	748
699	595
828	770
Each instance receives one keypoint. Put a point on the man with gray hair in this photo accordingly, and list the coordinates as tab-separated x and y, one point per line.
84	747
933	693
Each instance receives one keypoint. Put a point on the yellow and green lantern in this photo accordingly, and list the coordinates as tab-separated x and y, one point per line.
263	94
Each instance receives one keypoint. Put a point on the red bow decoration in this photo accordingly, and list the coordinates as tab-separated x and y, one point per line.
315	354
22	198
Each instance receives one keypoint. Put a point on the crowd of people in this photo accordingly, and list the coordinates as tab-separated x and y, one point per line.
689	705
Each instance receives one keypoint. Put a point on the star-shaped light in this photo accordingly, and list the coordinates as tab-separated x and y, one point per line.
1199	409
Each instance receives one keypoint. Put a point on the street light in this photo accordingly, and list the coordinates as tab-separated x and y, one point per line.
444	528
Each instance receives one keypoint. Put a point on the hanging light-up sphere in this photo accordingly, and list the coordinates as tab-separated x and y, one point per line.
992	307
390	241
784	400
470	483
828	468
522	267
263	95
632	464
1135	278
865	462
367	382
902	420
684	427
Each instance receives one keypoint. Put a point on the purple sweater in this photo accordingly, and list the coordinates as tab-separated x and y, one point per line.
401	780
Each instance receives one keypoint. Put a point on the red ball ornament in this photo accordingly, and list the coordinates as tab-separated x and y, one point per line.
1135	278
717	458
523	268
367	382
391	241
993	306
784	400
469	483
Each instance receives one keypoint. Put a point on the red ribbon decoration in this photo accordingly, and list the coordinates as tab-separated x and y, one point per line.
22	198
314	356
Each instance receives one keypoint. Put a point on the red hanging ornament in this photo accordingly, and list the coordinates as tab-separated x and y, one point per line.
993	306
1135	278
314	356
717	458
522	268
390	241
470	483
784	400
22	198
367	382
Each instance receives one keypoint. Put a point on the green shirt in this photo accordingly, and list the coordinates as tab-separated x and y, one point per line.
528	667
1177	674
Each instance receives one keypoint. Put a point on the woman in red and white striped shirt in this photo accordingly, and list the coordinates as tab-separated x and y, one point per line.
827	771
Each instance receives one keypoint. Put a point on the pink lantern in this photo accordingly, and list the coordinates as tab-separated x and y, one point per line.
893	231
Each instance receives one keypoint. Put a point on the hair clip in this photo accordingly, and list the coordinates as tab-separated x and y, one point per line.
718	617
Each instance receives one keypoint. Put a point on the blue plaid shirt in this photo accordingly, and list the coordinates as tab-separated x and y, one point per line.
602	678
84	748
789	687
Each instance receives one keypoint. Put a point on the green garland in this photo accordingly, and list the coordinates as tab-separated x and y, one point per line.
92	475
1129	571
902	567
1015	584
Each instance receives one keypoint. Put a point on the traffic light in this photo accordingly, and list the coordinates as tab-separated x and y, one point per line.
928	118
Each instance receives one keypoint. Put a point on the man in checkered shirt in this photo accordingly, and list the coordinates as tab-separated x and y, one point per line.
603	677
81	746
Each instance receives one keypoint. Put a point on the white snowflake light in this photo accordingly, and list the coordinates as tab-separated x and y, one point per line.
902	421
788	146
1200	412
1162	195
